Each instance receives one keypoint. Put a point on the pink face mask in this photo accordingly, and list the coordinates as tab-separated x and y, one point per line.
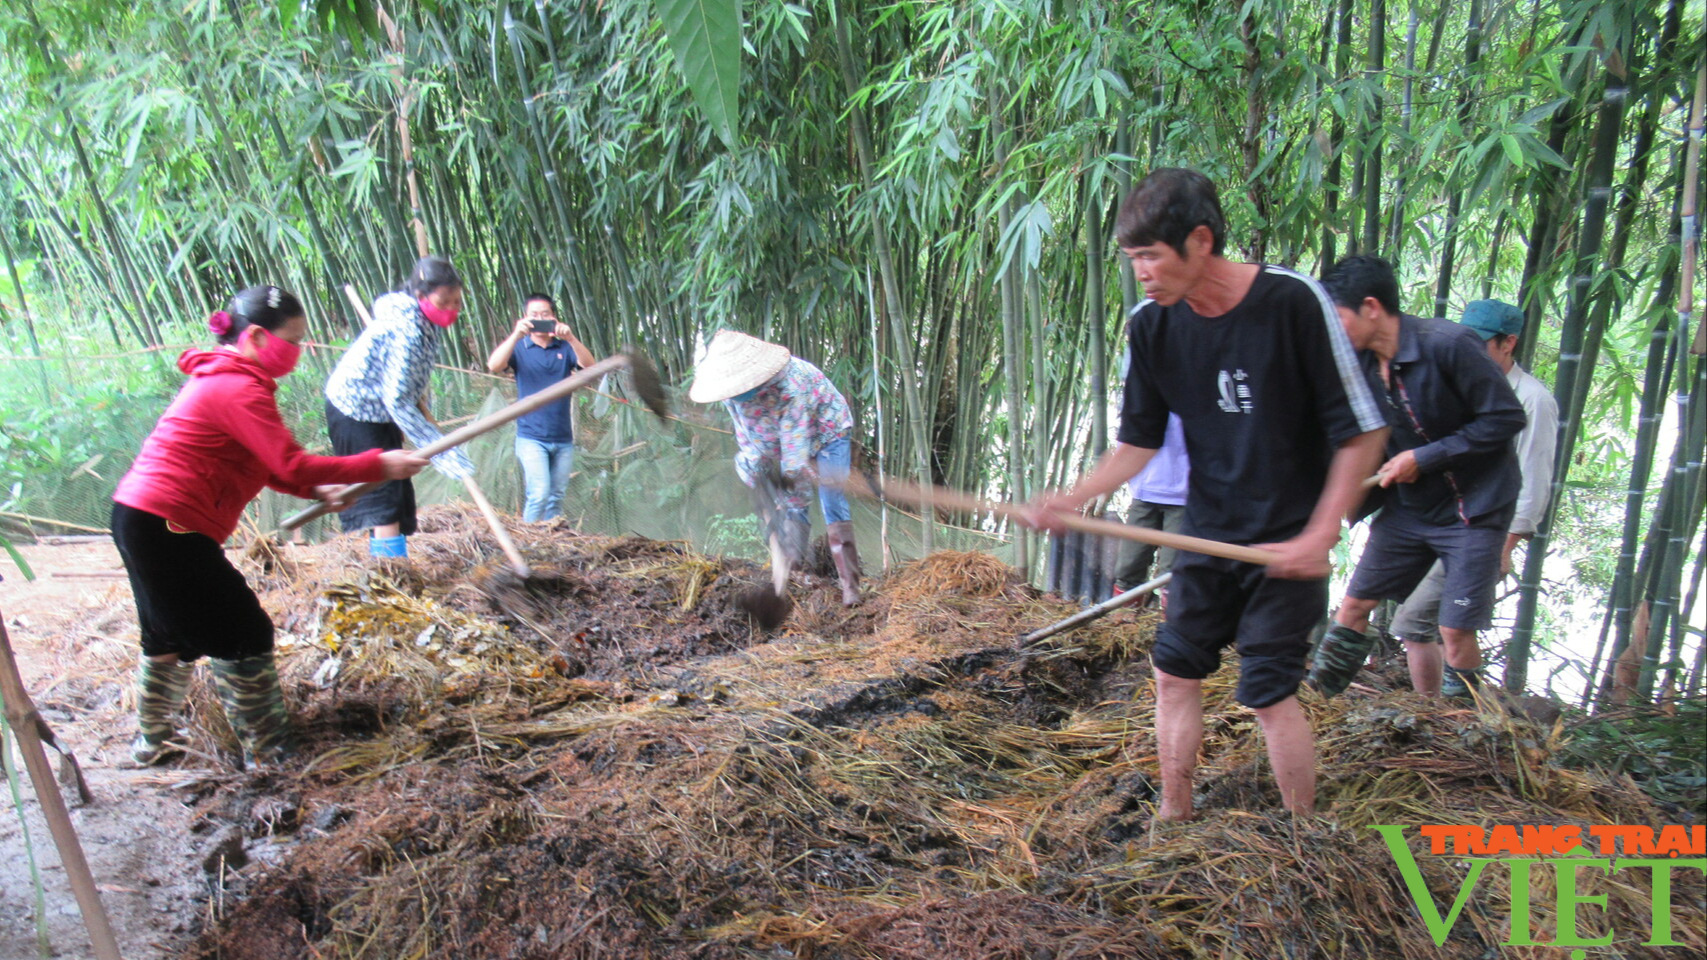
276	355
436	315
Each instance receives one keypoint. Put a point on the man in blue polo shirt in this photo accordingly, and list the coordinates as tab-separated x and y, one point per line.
541	351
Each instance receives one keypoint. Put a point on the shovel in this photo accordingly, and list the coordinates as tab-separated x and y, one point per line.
643	377
1097	612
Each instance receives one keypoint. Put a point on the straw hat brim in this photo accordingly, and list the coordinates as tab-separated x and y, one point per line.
735	363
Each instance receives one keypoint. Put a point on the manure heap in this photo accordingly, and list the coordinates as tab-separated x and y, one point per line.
608	760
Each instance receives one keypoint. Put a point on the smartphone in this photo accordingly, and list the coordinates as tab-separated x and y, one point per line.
543	326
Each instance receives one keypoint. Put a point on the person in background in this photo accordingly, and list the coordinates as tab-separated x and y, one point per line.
541	351
377	396
1281	429
1417	623
213	450
1158	503
1449	486
791	420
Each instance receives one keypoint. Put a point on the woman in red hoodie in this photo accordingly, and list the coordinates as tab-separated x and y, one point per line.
213	450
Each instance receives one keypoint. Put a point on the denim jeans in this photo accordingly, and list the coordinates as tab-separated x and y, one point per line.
545	475
834	462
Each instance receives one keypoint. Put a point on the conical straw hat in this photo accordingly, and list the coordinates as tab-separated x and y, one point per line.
735	363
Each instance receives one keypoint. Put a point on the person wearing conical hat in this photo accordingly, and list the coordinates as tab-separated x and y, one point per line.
789	418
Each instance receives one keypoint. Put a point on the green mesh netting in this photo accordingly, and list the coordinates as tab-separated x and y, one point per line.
74	425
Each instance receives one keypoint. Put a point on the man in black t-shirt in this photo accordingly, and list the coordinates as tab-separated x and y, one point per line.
1449	487
1280	427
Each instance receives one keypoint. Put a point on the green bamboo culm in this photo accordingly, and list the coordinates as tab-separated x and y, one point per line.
1568	391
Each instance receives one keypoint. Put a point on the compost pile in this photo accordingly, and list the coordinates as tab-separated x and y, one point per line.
609	760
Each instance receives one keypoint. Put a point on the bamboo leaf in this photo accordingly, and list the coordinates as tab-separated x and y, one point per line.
18	558
705	36
1535	115
1513	149
141	110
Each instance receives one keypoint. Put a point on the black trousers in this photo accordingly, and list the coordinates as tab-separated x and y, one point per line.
390	502
190	600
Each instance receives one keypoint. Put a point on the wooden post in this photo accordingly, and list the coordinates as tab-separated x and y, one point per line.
21	716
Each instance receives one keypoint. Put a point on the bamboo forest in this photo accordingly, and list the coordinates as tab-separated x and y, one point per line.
639	715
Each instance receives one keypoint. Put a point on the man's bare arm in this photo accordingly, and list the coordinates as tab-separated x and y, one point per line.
1306	556
1115	468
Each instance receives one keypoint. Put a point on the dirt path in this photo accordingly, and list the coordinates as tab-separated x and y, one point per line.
75	640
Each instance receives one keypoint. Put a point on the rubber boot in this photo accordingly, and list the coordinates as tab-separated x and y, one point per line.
1338	658
846	557
161	689
1456	683
397	546
249	691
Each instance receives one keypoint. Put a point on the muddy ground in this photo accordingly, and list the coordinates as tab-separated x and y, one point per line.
611	760
73	638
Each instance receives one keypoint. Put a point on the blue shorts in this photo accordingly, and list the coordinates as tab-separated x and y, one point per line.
1402	548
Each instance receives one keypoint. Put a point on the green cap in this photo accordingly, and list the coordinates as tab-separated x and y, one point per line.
1491	317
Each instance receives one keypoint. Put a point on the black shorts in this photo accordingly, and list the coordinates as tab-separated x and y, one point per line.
1214	603
190	600
1402	548
390	502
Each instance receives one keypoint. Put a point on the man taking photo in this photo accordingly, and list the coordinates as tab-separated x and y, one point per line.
541	351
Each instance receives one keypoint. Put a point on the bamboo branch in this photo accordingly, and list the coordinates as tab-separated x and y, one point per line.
22	717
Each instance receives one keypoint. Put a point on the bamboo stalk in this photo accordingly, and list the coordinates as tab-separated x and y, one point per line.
887	273
1396	226
1549	201
1374	76
1096	305
22	717
1336	138
57	523
1567	391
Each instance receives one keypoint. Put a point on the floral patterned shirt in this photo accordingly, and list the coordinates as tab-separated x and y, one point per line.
794	416
384	375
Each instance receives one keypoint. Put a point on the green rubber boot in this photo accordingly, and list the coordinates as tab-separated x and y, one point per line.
249	691
1338	658
161	689
1456	683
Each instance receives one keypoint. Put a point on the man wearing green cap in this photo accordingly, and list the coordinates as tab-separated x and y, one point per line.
1499	324
1449	488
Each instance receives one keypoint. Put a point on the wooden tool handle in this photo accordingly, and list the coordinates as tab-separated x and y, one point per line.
461	435
517	563
940	497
